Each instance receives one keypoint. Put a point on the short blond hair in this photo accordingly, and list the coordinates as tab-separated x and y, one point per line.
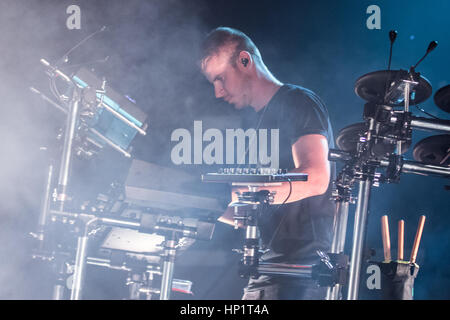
225	36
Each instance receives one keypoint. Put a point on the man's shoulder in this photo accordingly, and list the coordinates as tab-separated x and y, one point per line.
295	96
293	89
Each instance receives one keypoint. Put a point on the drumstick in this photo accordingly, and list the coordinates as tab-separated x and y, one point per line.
386	238
417	240
401	233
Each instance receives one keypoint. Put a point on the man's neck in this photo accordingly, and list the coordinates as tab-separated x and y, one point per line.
264	88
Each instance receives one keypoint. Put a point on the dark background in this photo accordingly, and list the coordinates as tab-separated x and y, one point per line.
152	48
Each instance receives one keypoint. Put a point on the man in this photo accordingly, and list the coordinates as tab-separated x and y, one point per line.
293	232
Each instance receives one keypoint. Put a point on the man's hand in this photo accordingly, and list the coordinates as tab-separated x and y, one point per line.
310	155
228	216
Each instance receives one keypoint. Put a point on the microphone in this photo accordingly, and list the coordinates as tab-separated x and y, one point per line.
65	57
431	47
392	37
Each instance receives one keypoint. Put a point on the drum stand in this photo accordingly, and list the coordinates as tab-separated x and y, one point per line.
343	198
362	167
359	234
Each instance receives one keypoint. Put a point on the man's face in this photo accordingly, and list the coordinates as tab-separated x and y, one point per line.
229	82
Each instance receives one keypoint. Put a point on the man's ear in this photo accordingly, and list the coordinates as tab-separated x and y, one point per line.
245	61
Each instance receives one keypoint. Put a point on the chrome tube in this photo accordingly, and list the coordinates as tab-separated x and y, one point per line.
120	222
359	232
124	119
66	158
300	271
337	246
107	220
60	285
167	273
427	124
421	168
80	268
45	206
430	124
339	155
340	227
110	143
81	262
58	292
106	263
409	166
53	103
407	94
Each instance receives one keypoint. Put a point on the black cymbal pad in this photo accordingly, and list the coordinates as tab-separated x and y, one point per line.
442	98
372	87
433	150
348	137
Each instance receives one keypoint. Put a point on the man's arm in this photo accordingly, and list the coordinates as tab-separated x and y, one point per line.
310	155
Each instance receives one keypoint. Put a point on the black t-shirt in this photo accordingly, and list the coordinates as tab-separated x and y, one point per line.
294	231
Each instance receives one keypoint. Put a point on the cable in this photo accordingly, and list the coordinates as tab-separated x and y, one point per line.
427	113
66	55
289	194
284	216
